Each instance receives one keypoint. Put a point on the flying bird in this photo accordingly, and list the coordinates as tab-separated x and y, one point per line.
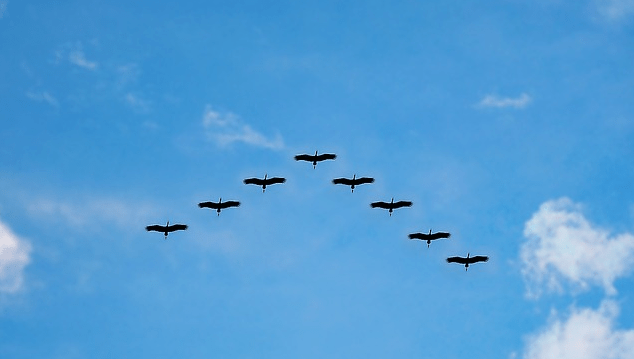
167	228
391	206
220	205
315	158
264	181
353	182
429	236
467	261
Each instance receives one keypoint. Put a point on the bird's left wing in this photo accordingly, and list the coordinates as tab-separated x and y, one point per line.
274	180
230	204
178	227
325	156
479	259
155	227
402	204
380	205
303	158
460	260
208	205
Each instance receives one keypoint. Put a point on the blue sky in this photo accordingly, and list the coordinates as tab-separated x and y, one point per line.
508	123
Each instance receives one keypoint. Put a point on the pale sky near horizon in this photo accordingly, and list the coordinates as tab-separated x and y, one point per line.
509	123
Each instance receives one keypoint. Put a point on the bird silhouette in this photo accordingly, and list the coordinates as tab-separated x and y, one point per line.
220	205
391	206
315	158
264	181
167	228
468	260
354	181
429	236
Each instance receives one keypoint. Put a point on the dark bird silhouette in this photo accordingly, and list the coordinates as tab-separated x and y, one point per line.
467	261
167	228
353	182
429	236
315	158
264	181
391	206
220	205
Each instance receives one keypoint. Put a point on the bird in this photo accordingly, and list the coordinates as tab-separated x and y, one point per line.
466	261
265	181
391	205
167	228
429	236
315	158
220	205
353	182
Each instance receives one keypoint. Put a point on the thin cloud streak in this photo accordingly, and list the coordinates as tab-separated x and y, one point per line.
501	102
43	97
227	128
615	10
563	247
78	58
14	257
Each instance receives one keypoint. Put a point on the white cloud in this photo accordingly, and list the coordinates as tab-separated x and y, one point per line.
78	58
615	10
137	103
562	246
227	128
43	97
586	334
495	101
14	256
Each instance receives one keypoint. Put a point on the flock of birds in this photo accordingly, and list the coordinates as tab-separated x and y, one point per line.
352	182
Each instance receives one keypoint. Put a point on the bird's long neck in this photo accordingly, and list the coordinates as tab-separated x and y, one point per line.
430	231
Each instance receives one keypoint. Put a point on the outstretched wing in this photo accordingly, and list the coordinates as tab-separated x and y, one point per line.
478	259
256	181
383	205
400	204
460	260
364	180
212	205
422	236
344	181
275	180
229	204
308	158
325	156
155	227
440	235
177	227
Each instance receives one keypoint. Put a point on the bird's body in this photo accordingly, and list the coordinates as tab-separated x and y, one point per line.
354	181
391	206
167	228
315	158
429	236
263	182
467	260
220	205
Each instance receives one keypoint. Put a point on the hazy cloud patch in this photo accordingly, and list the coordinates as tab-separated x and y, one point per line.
585	334
227	128
615	10
137	103
3	8
562	247
74	53
43	97
501	102
14	256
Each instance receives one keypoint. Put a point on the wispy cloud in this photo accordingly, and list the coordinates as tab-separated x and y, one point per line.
615	10
92	212
3	8
74	53
227	128
500	102
14	256
137	103
585	334
43	97
563	247
78	58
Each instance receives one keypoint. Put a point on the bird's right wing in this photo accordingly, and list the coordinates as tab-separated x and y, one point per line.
460	260
325	156
230	204
304	158
479	259
256	181
177	227
344	181
155	227
440	235
208	205
380	205
402	204
417	236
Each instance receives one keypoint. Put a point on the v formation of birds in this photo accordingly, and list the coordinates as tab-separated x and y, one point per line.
352	182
